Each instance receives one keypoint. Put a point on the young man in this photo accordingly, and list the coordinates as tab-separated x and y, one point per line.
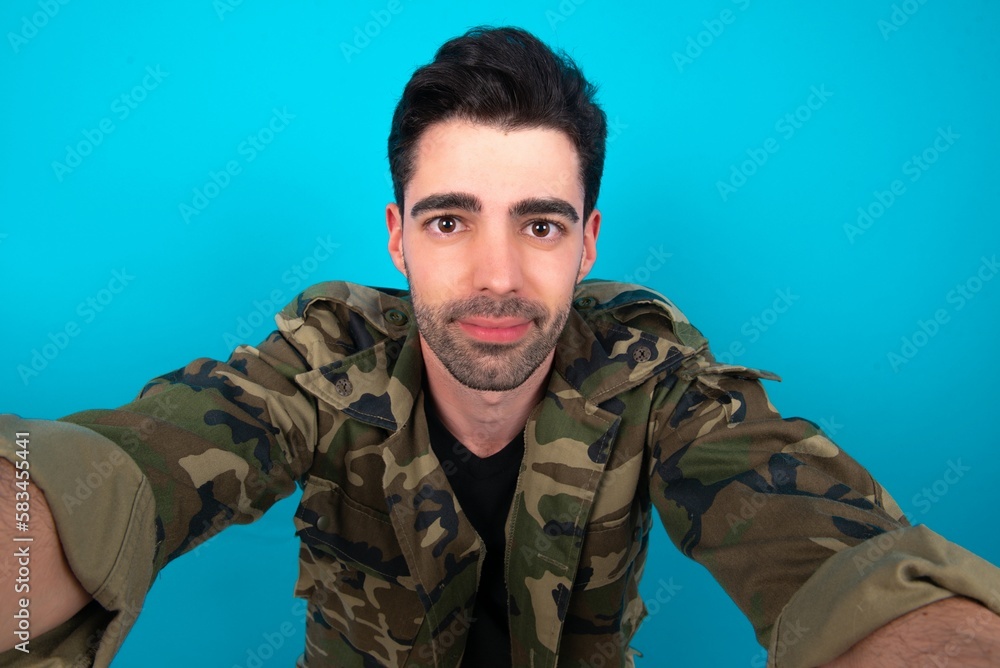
481	457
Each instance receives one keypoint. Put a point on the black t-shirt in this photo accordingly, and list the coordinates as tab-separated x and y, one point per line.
484	488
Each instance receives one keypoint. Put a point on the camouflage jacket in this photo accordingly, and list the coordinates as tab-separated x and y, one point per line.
636	417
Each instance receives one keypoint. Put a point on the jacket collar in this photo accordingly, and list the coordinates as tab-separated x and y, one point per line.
379	384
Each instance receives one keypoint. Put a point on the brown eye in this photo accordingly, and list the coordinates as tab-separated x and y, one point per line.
446	225
541	228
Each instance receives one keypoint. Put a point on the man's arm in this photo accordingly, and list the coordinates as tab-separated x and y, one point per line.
52	589
802	538
952	632
209	445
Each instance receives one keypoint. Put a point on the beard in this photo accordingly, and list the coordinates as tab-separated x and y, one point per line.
483	365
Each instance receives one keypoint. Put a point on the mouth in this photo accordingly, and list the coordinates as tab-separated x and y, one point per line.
495	330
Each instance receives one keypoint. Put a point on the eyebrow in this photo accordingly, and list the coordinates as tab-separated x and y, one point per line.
469	202
542	205
463	201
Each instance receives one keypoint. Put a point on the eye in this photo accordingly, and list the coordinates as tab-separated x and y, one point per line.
446	225
545	229
443	225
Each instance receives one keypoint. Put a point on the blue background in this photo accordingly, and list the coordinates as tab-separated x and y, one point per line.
692	93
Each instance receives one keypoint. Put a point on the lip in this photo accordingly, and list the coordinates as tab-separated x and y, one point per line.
495	330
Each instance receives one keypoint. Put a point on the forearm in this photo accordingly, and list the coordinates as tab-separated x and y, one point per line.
34	572
952	632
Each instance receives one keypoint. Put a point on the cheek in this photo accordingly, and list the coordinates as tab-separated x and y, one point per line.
436	278
554	277
431	261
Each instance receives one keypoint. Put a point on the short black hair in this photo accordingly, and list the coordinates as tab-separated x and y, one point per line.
507	78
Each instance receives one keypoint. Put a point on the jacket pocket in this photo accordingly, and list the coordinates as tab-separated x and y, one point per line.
609	549
605	609
353	571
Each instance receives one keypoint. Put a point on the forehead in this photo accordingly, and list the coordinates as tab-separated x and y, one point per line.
497	165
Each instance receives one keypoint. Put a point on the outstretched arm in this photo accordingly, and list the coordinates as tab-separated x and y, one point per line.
813	550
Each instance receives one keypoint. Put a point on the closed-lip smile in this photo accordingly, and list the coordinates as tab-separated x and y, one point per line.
495	330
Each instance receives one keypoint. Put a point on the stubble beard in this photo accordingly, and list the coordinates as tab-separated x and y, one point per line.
481	365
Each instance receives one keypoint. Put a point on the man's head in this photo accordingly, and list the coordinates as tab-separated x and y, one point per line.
500	222
508	79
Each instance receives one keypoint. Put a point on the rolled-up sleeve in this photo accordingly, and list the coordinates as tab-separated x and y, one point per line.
110	544
811	548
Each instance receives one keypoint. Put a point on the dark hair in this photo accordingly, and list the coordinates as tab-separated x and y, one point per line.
504	77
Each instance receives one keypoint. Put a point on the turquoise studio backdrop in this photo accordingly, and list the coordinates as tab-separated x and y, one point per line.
814	185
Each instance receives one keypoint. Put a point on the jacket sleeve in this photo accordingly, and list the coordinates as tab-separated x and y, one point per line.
809	546
130	489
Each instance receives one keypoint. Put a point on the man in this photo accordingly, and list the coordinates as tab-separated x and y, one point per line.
481	457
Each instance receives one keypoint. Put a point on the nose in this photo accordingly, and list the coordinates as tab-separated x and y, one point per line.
497	263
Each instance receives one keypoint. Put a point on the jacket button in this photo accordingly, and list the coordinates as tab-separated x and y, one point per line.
396	317
585	303
323	523
641	354
343	387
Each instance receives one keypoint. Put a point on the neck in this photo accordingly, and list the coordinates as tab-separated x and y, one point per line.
483	421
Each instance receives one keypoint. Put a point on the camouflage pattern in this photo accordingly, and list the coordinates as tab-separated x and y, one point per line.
637	416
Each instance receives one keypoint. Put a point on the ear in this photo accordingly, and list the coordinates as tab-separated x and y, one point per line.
591	228
394	222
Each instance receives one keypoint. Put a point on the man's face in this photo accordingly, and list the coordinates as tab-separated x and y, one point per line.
492	245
